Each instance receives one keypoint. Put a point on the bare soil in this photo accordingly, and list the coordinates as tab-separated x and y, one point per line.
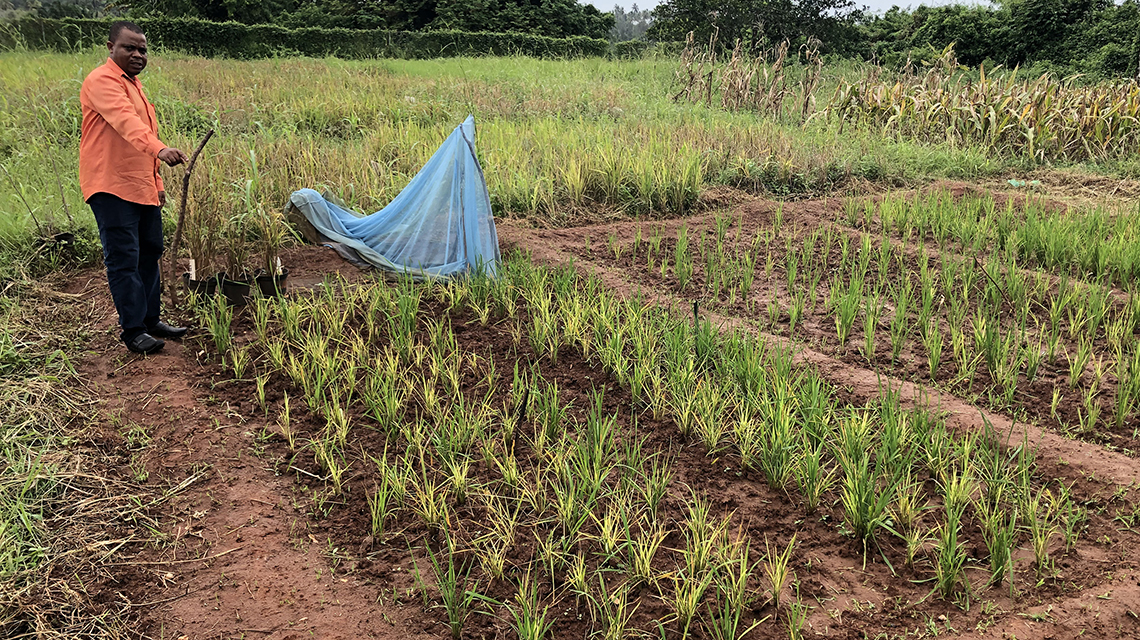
242	554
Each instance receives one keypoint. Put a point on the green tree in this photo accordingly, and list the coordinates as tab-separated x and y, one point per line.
758	23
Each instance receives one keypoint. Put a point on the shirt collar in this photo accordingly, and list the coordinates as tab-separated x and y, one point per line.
116	67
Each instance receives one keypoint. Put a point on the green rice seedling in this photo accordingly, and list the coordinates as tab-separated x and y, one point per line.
1078	362
337	423
260	382
847	309
797	614
777	567
642	550
733	597
957	489
780	452
774	312
329	459
864	256
430	503
290	316
864	502
710	426
700	537
895	451
430	398
688	593
1078	317
551	552
883	258
812	476
855	437
900	319
614	246
285	421
928	293
999	531
380	506
613	610
910	504
796	311
1073	517
610	528
656	480
1032	357
457	477
950	556
933	343
261	309
791	265
1099	370
527	619
1042	527
871	312
219	325
451	581
577	576
813	285
654	248
384	394
1124	404
1054	403
574	501
1087	419
276	352
746	432
914	539
633	459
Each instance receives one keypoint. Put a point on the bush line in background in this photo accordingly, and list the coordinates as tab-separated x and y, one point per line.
235	40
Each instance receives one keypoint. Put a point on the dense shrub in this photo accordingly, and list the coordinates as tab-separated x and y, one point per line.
630	49
235	40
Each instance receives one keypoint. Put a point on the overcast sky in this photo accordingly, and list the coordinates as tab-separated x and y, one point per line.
876	6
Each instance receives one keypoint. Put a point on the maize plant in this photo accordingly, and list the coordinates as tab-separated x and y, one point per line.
1044	119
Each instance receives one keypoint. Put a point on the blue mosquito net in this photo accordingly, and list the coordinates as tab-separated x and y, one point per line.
438	227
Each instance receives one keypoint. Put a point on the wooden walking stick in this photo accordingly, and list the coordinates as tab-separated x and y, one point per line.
171	287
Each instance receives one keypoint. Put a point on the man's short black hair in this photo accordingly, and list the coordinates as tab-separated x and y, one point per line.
118	27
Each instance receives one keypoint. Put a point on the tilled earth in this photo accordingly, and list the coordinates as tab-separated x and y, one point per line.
241	554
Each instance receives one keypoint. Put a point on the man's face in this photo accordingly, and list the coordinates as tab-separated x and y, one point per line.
129	52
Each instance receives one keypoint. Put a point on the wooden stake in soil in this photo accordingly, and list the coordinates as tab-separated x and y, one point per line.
171	289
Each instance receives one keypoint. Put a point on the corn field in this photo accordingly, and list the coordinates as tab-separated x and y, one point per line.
1046	119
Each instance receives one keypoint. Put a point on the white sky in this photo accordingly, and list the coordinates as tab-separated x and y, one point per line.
876	6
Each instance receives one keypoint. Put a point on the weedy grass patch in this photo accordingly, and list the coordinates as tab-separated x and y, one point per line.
560	141
65	507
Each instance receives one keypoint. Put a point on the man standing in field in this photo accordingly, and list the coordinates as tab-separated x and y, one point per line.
119	154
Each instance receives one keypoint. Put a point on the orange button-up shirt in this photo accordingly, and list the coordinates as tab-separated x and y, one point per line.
118	145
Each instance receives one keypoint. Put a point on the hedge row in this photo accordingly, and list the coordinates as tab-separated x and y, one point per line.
236	40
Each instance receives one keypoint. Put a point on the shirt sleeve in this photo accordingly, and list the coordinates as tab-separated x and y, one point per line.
109	100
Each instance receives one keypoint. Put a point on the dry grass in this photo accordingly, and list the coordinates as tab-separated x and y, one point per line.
64	513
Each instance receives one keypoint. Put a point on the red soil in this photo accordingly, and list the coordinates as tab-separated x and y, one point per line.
240	556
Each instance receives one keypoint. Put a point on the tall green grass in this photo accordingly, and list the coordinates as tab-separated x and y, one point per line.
559	140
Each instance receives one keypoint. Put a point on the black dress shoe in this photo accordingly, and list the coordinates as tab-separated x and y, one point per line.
146	344
163	330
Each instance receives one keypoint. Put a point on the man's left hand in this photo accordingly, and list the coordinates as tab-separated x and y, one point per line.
162	198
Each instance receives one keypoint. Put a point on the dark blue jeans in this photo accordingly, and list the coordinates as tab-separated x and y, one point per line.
132	245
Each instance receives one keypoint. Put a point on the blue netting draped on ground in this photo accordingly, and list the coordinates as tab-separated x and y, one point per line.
438	227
